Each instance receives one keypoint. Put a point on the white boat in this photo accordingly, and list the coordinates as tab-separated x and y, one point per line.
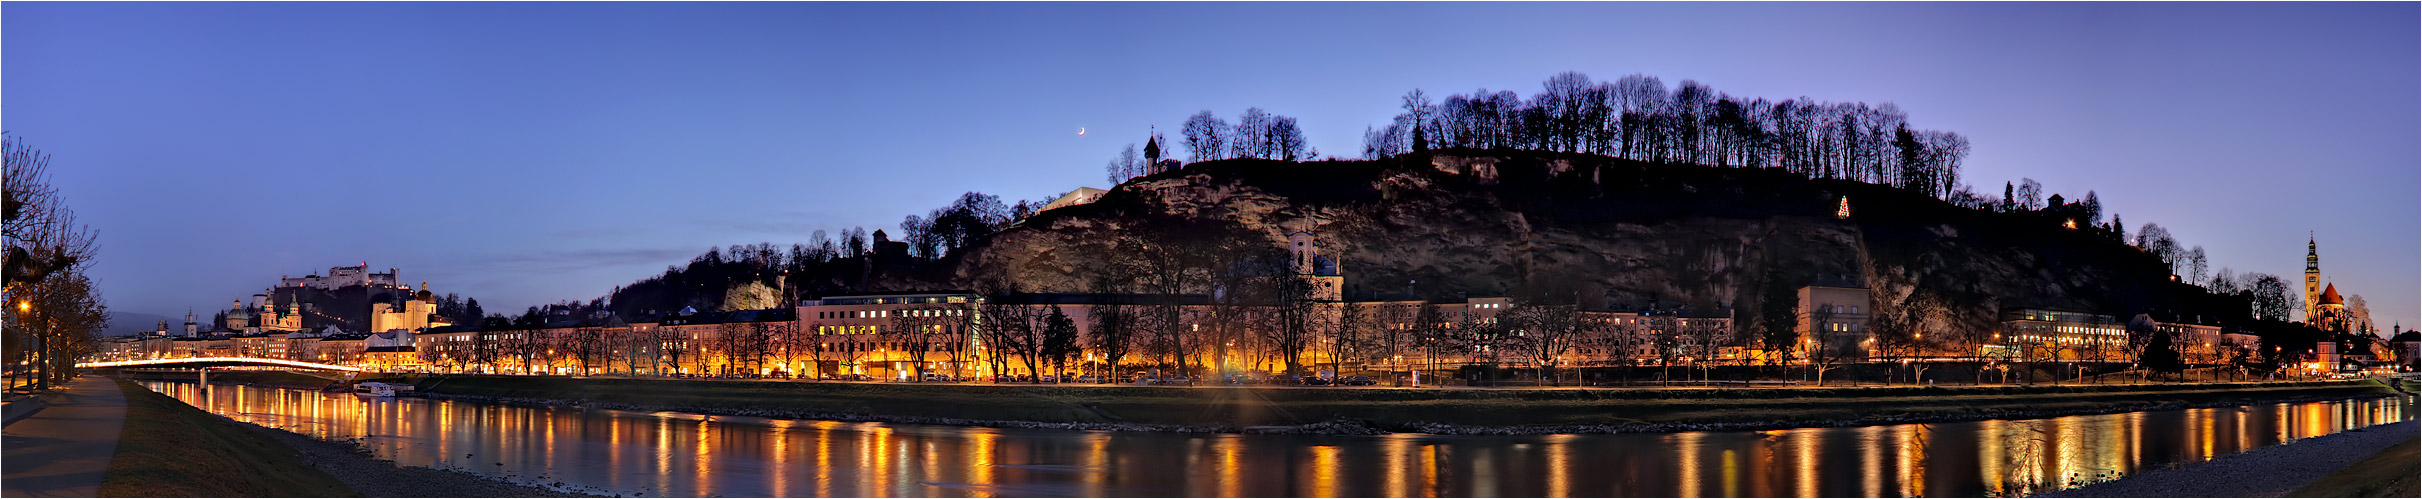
374	389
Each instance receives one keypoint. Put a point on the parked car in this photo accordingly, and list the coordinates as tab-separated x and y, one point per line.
1315	381
1356	380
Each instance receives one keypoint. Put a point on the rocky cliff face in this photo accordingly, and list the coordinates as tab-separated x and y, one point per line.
1627	235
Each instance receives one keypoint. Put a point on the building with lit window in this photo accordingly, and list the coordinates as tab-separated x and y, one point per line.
890	335
1833	314
2053	335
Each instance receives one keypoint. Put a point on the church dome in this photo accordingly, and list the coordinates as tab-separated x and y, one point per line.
2329	296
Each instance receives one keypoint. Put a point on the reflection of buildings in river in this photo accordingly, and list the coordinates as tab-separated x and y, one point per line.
1803	443
1732	473
1097	461
1394	457
1196	484
1324	471
1911	441
880	460
1429	470
1484	472
2011	457
824	458
1686	454
1559	465
1226	450
1871	461
780	481
664	455
706	460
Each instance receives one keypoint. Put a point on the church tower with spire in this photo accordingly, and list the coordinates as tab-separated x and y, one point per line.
2312	279
1152	152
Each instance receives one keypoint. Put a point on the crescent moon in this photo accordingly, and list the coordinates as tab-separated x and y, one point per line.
1080	131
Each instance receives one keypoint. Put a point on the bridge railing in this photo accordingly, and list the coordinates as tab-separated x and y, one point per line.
219	360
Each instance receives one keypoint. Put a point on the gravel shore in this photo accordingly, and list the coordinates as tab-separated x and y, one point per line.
2266	472
373	477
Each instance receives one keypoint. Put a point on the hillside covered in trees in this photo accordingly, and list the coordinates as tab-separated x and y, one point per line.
1632	235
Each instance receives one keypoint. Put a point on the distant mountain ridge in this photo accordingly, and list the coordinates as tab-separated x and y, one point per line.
131	323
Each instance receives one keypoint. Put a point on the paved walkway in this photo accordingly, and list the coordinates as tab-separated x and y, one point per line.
64	450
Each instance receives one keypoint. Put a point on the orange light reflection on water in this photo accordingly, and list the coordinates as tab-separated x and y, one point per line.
1324	471
1804	473
1226	450
2010	457
1559	465
1395	455
1429	471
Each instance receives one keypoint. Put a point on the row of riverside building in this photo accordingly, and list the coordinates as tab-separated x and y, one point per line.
900	335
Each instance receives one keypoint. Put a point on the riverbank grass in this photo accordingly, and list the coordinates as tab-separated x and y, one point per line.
2391	473
171	449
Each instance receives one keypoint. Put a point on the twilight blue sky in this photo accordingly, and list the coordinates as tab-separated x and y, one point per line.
531	152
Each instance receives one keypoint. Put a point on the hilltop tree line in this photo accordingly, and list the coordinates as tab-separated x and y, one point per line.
1257	134
1636	117
764	275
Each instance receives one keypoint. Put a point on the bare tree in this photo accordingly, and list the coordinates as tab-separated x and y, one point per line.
1355	326
1706	337
671	345
917	330
1013	330
1418	109
2195	264
1127	165
2030	195
1433	334
2359	316
1294	317
2272	300
523	345
1544	329
1289	140
1206	137
585	343
1115	322
46	253
1251	138
1482	341
2156	240
634	347
1826	351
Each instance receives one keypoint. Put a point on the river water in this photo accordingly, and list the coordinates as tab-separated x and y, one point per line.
687	455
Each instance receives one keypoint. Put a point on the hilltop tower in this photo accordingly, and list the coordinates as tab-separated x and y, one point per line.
2312	279
1152	151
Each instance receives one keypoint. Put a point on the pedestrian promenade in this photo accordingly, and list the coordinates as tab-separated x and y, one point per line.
64	450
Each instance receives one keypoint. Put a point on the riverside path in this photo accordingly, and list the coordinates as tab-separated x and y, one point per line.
64	450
